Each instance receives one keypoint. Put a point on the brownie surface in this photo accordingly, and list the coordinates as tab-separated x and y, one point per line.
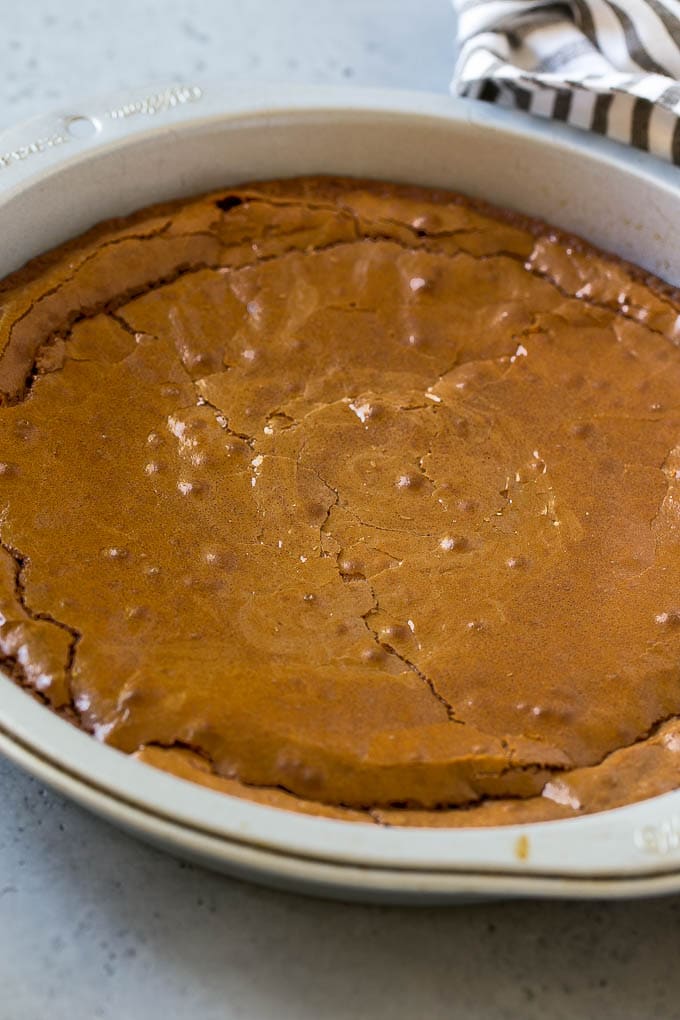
352	498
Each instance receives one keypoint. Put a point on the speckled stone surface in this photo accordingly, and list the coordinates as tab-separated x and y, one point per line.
52	53
95	925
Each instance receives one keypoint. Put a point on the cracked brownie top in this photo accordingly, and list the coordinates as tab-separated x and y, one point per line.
352	498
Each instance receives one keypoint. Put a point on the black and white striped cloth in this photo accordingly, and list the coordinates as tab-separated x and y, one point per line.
610	67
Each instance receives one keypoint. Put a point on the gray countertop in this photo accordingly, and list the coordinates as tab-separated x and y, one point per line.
93	924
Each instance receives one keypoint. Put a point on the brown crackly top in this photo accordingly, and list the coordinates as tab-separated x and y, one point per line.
351	498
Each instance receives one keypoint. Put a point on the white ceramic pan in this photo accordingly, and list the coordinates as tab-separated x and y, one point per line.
62	173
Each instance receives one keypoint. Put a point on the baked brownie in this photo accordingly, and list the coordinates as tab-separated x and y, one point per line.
349	497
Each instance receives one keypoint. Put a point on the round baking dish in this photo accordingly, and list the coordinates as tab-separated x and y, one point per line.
61	174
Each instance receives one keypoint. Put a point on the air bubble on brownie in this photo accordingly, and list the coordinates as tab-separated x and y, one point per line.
516	562
560	793
671	741
454	543
115	553
362	411
410	480
82	702
100	731
670	618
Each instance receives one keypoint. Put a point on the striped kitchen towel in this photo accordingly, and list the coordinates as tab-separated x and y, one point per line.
610	67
